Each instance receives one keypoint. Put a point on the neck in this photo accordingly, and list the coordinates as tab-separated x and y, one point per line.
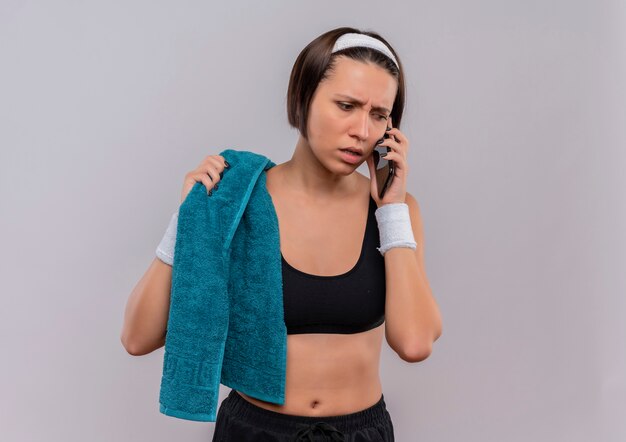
305	175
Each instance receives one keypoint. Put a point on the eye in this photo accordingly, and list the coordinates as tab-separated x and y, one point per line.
348	106
341	105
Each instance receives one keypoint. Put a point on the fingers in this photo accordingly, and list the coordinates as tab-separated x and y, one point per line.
399	160
213	166
399	145
209	173
397	141
216	161
397	137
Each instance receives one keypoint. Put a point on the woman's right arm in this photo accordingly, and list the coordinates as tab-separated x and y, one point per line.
148	306
147	310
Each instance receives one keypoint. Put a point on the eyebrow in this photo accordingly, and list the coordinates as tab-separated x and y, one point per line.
376	108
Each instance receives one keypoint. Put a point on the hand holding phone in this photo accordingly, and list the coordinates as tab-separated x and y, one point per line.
385	169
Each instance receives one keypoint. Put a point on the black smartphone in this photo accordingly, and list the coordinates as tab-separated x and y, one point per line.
385	169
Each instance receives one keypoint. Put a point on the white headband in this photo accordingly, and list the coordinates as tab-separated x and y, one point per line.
352	39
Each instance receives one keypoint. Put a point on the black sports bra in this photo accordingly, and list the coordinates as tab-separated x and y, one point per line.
352	302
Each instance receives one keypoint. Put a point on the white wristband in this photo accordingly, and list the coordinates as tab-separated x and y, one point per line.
394	225
165	249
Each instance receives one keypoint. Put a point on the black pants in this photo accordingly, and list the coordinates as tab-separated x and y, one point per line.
241	421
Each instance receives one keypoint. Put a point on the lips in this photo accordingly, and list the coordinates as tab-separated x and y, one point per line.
353	150
350	157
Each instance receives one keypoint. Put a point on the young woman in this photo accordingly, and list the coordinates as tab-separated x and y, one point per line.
352	262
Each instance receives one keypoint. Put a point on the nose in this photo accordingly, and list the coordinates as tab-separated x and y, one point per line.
361	125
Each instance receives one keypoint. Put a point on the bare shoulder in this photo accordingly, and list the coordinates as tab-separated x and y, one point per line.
272	177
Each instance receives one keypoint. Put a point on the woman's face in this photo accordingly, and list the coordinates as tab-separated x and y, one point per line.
337	120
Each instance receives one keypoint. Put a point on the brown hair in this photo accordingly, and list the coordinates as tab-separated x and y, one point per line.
314	64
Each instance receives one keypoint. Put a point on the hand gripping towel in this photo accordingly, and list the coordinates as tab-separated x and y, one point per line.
226	319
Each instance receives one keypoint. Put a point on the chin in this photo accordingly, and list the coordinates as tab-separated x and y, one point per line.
349	169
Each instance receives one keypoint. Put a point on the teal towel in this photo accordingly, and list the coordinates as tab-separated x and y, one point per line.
226	320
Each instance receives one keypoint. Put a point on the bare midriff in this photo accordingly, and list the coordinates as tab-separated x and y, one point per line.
327	374
330	374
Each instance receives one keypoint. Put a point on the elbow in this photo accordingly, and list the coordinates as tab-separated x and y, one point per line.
135	347
417	350
127	346
131	347
415	353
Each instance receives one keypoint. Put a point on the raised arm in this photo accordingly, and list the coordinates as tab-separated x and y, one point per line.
148	306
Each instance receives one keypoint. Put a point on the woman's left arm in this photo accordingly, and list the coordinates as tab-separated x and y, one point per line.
412	318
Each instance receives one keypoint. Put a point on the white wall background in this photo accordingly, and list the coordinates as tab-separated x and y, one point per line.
515	114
